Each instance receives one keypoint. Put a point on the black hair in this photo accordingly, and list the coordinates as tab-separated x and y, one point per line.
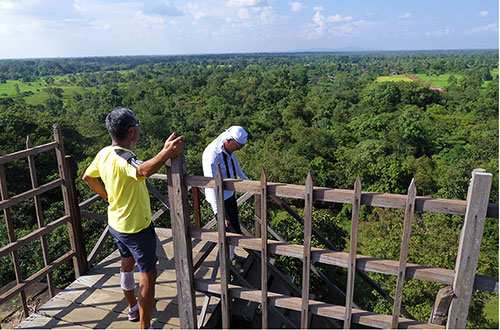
118	122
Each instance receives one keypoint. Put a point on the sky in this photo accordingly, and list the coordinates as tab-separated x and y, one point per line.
77	28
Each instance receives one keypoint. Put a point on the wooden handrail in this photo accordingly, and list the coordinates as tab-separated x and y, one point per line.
30	194
366	263
27	152
396	201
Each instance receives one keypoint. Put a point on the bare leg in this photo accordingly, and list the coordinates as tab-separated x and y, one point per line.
146	297
128	266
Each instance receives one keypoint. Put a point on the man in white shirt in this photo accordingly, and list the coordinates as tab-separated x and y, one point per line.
221	151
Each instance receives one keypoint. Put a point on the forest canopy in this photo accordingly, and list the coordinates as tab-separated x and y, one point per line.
327	113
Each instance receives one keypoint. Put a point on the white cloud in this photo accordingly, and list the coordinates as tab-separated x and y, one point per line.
483	13
350	29
338	18
484	29
3	29
405	16
440	33
247	3
243	14
318	8
6	5
196	10
297	6
154	22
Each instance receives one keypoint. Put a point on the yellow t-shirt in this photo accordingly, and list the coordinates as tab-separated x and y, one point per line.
129	210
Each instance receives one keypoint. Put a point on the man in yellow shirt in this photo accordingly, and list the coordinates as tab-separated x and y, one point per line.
129	212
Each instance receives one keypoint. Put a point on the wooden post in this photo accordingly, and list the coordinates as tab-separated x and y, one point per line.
351	272
223	249
263	237
468	249
179	217
12	236
440	309
77	220
65	176
306	262
403	256
40	218
196	207
257	207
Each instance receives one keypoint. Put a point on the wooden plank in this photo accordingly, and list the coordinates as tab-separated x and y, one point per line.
12	237
223	250
469	246
315	270
427	204
179	216
40	217
263	250
98	246
371	264
159	213
64	173
35	277
196	207
258	210
403	255
203	254
330	246
9	202
28	152
306	259
33	236
76	224
440	308
316	307
89	202
351	270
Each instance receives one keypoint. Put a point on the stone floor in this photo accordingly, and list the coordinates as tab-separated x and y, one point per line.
95	300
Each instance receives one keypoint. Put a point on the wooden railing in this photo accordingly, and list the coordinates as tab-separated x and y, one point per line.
463	279
71	219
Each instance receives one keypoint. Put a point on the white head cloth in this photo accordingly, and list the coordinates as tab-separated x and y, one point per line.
236	133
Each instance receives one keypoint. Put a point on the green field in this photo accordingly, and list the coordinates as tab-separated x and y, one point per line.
393	78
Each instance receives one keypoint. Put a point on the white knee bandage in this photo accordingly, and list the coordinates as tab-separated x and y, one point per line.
127	281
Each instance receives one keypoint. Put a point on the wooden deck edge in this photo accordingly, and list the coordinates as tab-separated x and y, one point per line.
365	263
316	307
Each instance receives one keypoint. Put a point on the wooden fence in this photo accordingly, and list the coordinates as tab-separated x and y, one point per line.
463	279
66	182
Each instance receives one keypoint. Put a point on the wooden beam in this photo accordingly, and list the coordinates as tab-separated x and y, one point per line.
77	228
316	307
371	264
12	237
64	173
223	250
196	207
98	246
88	202
330	246
403	255
441	305
351	270
9	202
28	152
263	250
427	204
179	217
40	217
35	277
22	241
306	257
469	246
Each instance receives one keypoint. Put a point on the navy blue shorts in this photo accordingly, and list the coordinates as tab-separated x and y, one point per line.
141	246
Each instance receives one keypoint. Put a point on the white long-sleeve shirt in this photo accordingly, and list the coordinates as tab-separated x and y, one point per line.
214	155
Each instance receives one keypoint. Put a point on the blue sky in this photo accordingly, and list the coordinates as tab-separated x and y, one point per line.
73	28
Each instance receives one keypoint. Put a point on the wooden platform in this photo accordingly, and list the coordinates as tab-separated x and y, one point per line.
95	300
